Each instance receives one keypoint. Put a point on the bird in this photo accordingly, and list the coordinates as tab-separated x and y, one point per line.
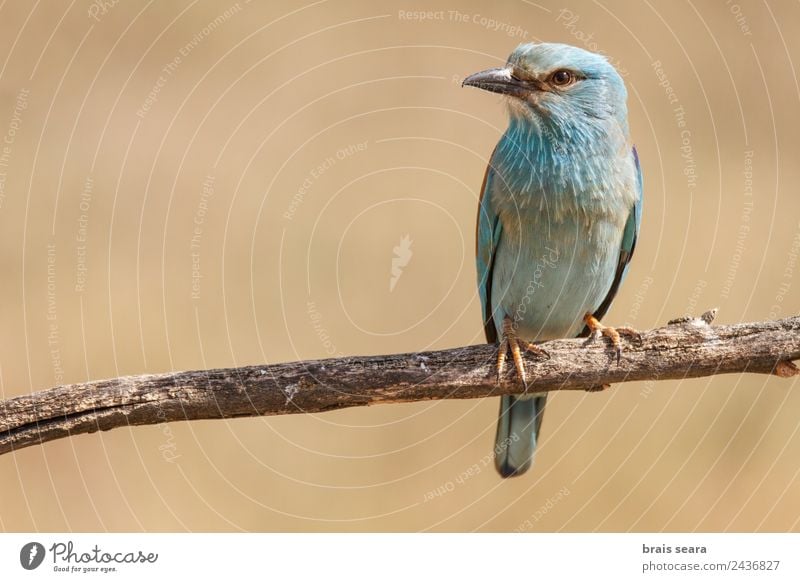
558	219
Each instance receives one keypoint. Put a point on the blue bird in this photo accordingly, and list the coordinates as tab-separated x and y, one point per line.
558	217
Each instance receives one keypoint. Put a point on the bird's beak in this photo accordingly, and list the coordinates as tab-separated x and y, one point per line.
498	81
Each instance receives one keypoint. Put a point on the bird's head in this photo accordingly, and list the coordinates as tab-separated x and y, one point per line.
557	83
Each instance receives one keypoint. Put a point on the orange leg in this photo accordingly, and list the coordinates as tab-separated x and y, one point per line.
510	341
612	333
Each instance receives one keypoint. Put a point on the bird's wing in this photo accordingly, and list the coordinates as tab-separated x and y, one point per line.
487	238
629	237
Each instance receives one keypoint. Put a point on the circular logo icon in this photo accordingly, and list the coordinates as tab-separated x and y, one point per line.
31	555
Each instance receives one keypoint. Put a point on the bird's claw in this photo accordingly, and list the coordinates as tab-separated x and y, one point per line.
510	342
534	349
614	334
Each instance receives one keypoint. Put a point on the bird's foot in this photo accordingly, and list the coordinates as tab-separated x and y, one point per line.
614	334
515	345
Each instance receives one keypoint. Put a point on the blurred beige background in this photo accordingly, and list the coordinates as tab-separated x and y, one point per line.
207	184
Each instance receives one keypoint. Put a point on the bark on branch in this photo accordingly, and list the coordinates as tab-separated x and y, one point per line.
686	348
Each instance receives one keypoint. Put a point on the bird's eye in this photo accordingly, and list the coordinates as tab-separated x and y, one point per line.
562	77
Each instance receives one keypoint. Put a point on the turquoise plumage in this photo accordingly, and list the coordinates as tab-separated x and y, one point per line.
558	218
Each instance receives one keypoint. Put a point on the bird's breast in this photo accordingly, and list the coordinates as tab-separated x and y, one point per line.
563	212
549	273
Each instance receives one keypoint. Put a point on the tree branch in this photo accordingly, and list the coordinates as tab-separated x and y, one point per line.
686	348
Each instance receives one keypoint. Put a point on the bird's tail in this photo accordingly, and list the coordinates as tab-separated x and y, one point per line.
517	433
